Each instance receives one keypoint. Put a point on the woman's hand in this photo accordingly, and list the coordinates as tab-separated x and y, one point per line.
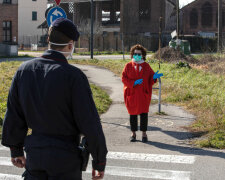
139	81
156	75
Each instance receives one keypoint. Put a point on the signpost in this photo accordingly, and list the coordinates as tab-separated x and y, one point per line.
55	13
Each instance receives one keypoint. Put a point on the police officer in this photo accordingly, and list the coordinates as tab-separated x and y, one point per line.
54	100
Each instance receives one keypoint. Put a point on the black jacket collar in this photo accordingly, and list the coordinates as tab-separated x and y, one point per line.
54	55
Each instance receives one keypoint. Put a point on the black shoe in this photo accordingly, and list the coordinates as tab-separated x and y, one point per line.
133	139
144	139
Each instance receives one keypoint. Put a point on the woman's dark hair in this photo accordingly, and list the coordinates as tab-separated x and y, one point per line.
57	37
138	47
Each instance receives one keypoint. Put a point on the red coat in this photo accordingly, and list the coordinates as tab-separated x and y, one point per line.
137	98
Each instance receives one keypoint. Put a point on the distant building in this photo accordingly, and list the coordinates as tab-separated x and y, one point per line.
9	21
31	14
137	21
201	18
8	27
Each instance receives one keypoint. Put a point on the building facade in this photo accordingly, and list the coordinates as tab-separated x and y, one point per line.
8	21
31	14
201	18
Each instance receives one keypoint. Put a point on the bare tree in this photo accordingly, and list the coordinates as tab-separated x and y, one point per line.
84	27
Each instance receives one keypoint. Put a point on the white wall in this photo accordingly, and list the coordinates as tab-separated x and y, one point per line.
27	29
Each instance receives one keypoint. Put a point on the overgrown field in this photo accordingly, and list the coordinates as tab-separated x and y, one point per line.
200	92
7	71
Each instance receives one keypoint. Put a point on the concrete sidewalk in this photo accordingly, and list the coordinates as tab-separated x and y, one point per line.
163	130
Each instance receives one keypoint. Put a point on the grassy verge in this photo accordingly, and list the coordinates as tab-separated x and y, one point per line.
200	92
7	71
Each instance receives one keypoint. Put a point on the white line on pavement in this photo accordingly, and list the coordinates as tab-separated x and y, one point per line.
129	172
134	157
9	177
5	161
146	173
2	148
151	157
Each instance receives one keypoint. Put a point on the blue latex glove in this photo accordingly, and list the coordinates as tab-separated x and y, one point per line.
156	75
139	81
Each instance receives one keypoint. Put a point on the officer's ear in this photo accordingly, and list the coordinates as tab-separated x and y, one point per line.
71	44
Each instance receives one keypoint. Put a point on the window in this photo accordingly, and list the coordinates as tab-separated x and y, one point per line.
207	14
34	16
144	9
7	1
7	31
194	18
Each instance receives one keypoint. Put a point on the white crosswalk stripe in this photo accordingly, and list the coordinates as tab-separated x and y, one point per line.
10	177
4	148
151	157
132	172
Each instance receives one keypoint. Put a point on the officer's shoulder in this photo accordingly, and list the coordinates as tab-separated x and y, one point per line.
27	64
75	72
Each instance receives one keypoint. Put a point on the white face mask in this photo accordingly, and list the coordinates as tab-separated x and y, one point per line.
70	54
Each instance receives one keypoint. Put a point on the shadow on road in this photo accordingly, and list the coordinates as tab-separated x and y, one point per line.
187	150
180	136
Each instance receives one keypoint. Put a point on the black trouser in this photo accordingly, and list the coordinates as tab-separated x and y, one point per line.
143	122
52	163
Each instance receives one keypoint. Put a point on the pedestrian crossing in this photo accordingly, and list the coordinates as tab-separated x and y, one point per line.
123	165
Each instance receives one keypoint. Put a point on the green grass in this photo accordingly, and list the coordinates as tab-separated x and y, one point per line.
7	71
200	92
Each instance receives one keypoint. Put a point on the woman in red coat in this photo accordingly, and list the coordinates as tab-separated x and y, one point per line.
138	79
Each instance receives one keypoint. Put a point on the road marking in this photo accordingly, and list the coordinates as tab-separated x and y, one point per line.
2	148
118	171
5	161
146	157
146	173
10	177
151	157
128	172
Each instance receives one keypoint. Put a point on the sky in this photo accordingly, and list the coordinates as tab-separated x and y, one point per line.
185	2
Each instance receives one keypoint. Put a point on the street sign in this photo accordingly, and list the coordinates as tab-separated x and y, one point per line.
55	13
57	2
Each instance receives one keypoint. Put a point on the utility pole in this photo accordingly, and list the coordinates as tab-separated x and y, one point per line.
220	28
178	18
160	39
92	28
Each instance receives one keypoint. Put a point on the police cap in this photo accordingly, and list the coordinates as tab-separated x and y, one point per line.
66	27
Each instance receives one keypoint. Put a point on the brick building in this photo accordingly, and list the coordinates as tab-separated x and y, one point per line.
8	21
201	17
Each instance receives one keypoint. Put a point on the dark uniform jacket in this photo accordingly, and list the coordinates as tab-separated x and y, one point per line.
52	98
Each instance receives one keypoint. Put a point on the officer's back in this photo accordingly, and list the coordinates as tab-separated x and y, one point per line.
53	99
